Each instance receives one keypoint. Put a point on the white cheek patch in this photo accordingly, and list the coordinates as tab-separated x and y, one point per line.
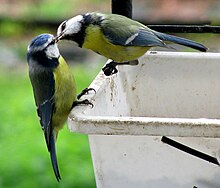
73	25
52	51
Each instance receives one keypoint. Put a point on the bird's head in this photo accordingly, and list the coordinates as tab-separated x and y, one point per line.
43	51
44	43
74	29
71	29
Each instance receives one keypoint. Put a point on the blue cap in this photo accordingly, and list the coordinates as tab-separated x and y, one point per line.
40	40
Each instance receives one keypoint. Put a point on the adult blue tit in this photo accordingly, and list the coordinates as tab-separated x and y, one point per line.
54	89
116	37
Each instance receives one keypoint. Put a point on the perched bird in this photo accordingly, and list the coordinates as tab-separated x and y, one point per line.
116	37
54	89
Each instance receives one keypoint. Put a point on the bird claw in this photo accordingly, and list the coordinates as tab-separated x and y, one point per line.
110	69
85	91
83	102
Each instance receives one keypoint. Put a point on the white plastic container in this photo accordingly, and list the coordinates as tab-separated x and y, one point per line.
168	94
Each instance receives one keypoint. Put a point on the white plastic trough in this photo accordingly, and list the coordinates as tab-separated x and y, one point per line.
168	94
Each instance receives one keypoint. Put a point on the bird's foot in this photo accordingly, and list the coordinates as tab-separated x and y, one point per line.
85	91
110	68
83	102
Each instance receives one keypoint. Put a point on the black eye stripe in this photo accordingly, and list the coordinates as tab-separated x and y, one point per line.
63	26
51	43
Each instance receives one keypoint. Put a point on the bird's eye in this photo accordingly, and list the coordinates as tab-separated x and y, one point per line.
63	25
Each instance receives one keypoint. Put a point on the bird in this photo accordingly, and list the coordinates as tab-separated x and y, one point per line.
54	89
116	37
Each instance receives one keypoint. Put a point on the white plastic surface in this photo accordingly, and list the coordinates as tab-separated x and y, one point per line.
167	94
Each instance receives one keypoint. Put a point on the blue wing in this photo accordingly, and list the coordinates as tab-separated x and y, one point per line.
139	38
43	84
122	31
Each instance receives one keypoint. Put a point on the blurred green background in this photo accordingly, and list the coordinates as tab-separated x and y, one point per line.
24	160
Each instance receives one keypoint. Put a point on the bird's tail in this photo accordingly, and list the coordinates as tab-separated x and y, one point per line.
181	41
53	157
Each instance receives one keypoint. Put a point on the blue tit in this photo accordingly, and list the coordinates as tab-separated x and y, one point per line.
116	37
54	89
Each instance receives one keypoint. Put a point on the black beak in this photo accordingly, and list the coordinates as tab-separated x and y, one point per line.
58	37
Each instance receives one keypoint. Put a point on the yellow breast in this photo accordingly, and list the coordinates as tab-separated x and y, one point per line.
96	41
65	93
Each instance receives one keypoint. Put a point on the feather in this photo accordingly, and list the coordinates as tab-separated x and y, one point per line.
52	150
181	41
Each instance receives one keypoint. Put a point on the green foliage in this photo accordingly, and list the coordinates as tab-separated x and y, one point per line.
24	160
42	9
52	10
10	29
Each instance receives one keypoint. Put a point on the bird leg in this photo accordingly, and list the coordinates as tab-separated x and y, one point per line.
133	62
110	68
83	102
85	91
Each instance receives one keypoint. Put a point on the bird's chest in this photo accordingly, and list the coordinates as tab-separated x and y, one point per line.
65	92
94	40
97	42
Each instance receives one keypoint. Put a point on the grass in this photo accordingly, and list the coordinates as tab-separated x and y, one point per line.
24	160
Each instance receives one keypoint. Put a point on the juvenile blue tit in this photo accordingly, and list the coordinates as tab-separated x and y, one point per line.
54	89
116	37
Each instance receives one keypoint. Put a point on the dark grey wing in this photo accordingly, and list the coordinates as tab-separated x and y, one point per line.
181	41
44	87
43	84
126	32
140	38
144	38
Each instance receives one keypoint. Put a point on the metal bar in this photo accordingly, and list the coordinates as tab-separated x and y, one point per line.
185	28
189	150
126	10
122	7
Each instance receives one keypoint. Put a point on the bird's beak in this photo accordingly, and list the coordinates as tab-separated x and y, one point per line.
59	37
